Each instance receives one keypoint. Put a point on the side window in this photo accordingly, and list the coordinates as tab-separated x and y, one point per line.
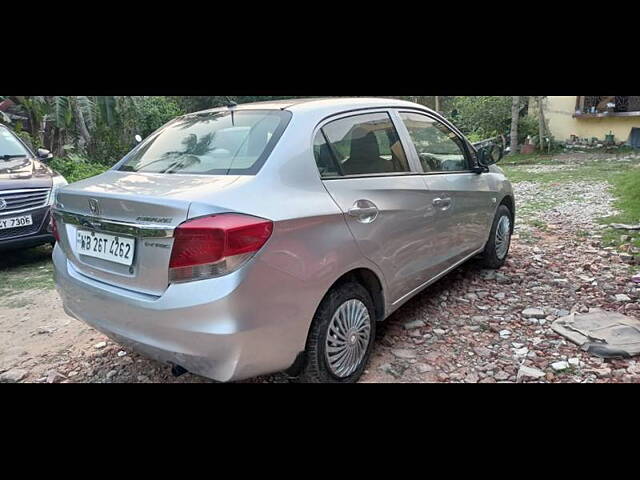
439	149
325	160
361	145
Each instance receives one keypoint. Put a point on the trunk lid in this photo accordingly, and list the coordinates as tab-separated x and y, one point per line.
145	207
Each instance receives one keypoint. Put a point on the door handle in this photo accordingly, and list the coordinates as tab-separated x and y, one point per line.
364	211
442	203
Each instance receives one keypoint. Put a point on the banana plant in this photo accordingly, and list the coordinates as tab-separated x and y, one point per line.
78	110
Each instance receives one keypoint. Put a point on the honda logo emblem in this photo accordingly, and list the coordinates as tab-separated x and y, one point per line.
94	207
3	204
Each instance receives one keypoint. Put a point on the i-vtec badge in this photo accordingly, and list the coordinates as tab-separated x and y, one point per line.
154	219
94	207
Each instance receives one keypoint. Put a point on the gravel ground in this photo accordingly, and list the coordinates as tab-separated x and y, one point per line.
474	326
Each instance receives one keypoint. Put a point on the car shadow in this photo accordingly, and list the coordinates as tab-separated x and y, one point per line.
12	259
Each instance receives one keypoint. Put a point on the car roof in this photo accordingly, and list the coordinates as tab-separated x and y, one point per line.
321	103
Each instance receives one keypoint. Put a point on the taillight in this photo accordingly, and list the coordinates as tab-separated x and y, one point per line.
213	246
53	228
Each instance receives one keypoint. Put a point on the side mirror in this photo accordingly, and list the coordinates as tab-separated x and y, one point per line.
138	138
489	155
44	154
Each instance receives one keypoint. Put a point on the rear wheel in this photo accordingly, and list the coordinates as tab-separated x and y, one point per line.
341	336
497	248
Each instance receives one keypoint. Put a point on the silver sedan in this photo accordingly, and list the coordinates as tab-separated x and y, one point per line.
269	237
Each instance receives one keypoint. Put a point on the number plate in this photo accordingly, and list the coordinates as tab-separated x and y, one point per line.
107	247
15	222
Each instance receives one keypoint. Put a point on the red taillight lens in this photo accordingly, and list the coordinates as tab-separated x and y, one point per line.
53	228
213	246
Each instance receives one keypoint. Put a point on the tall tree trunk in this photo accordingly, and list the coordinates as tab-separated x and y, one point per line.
515	119
541	127
80	123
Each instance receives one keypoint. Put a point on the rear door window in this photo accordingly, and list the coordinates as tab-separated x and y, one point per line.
214	143
365	144
325	159
439	148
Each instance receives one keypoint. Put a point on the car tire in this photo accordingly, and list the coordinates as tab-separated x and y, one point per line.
496	250
342	306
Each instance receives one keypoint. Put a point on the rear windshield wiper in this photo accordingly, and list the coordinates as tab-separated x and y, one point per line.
9	157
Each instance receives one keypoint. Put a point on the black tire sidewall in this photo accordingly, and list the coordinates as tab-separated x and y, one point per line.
316	368
490	256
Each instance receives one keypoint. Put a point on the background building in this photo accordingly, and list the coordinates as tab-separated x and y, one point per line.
587	117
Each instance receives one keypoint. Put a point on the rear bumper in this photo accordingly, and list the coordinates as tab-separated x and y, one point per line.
221	328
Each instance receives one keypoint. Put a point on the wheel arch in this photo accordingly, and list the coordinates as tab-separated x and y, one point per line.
369	280
510	203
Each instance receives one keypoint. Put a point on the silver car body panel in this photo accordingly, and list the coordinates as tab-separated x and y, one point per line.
256	319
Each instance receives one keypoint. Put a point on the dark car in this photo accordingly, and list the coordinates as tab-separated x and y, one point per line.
27	188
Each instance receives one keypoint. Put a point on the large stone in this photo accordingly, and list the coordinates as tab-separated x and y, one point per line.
55	377
560	366
627	258
13	376
404	353
529	372
424	368
482	351
634	369
472	378
534	313
414	324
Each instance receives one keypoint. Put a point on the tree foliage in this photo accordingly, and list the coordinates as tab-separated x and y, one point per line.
482	117
485	116
100	130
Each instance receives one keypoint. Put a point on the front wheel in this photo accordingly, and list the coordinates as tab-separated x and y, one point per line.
497	248
341	336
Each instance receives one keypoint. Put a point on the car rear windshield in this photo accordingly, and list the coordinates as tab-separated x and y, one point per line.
213	143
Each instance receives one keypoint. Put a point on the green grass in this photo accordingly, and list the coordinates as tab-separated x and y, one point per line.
593	172
624	178
25	270
529	159
539	224
73	170
626	188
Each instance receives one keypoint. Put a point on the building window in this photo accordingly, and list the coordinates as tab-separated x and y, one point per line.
610	106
